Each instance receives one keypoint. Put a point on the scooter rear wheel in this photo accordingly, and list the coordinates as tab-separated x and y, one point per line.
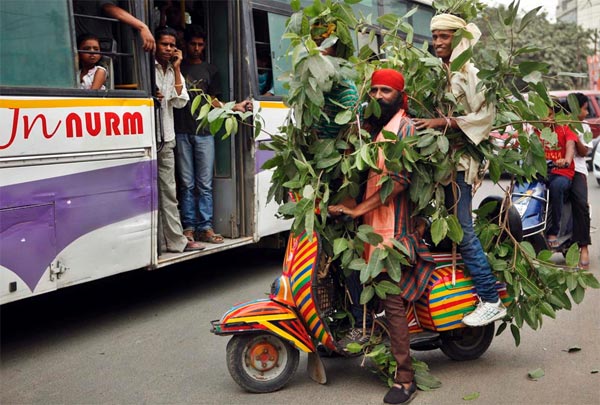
261	362
467	343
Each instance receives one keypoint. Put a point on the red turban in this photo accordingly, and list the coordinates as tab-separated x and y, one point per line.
391	78
388	77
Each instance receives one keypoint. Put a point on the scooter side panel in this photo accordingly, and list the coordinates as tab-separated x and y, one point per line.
302	269
444	304
265	315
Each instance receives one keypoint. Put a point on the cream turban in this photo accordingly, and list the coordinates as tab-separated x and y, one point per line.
452	22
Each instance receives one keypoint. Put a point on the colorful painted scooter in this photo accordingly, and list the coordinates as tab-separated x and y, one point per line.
268	334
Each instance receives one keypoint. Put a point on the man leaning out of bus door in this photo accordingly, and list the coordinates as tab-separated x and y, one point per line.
172	94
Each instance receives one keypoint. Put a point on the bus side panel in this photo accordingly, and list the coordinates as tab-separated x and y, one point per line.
67	218
273	113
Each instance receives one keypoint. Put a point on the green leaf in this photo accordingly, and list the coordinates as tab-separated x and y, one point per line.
367	293
461	59
578	294
572	257
439	229
343	117
547	309
471	396
591	280
328	162
528	18
455	231
389	287
516	334
354	347
339	245
536	374
533	77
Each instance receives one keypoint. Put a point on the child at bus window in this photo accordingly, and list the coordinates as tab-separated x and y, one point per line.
92	76
265	74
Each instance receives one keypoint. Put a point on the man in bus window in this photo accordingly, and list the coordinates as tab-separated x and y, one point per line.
172	94
103	28
196	149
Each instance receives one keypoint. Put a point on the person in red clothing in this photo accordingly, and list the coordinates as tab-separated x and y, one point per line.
561	176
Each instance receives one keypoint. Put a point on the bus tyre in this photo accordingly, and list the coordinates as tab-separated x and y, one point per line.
515	225
261	362
467	343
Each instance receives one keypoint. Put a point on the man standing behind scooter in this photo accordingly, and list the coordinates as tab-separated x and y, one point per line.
392	219
475	124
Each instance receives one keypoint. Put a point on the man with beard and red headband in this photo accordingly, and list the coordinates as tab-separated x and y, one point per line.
392	219
474	124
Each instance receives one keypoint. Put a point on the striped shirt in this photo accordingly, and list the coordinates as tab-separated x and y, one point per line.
393	220
346	94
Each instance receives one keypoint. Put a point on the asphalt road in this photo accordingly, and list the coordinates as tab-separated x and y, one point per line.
144	337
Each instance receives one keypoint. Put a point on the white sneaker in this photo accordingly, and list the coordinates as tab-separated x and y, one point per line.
486	312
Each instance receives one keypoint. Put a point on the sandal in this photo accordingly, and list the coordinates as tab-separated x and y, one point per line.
189	234
209	236
553	243
193	246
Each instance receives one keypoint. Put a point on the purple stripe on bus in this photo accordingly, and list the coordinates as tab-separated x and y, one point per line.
40	218
261	157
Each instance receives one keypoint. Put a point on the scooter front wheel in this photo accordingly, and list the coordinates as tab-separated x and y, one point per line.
467	343
261	362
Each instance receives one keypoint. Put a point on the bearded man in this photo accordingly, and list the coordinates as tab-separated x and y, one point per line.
392	219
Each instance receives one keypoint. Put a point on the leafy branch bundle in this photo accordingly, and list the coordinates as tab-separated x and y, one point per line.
310	167
321	172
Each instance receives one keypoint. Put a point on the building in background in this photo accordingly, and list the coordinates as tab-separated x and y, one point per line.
586	14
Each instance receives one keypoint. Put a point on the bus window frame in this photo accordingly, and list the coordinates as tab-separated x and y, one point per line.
143	63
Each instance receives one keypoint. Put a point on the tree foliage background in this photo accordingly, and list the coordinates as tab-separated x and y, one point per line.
308	166
564	46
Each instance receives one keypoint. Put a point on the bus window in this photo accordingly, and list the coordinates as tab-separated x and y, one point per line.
41	26
268	30
118	42
421	20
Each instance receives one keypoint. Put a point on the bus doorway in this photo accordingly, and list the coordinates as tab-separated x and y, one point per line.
233	212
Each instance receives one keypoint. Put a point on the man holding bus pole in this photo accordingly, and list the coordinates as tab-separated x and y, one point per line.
172	94
195	152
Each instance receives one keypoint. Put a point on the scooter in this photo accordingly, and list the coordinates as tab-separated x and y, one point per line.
531	201
267	334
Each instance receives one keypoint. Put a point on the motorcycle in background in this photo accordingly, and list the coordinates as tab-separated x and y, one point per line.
531	201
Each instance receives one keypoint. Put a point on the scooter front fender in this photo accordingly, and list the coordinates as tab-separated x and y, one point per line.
265	315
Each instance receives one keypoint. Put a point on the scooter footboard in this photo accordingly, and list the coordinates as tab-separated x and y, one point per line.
444	303
264	315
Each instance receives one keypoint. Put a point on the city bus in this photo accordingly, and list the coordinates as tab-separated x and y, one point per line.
78	172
